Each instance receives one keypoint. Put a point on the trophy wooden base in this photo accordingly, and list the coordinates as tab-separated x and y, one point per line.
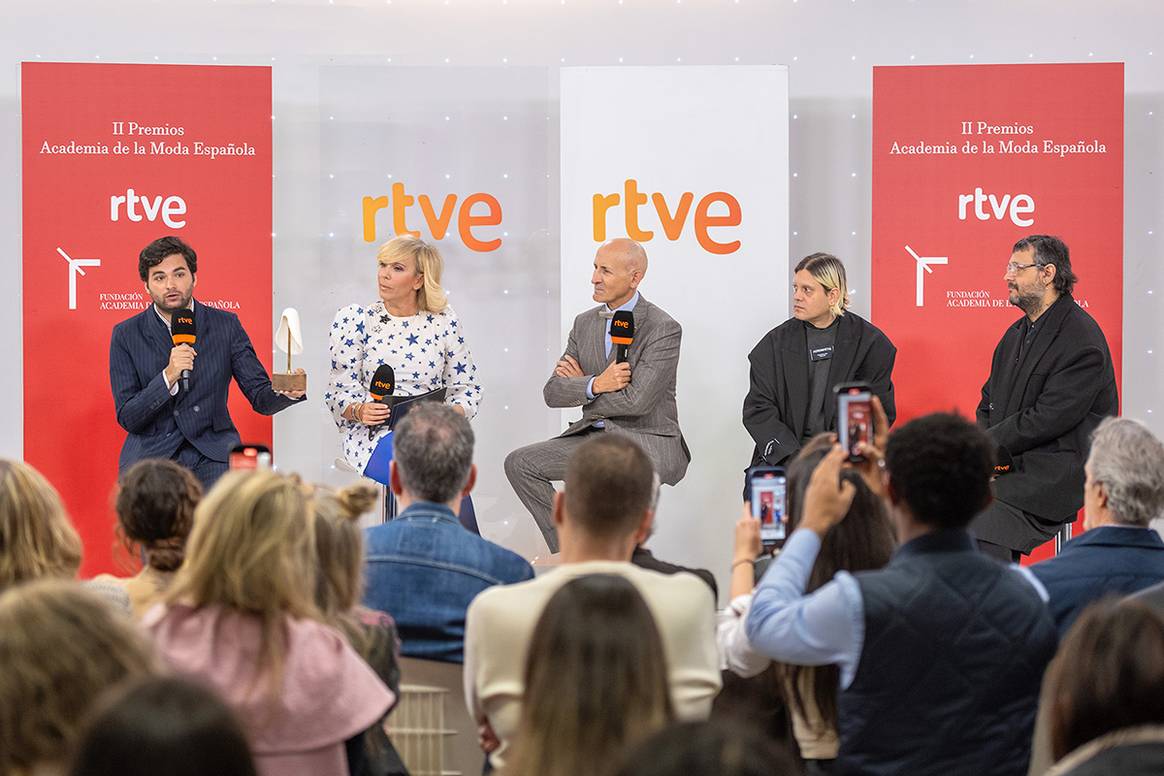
289	382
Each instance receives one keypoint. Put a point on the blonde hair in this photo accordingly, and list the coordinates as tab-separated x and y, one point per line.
61	647
427	261
828	270
339	549
253	550
36	538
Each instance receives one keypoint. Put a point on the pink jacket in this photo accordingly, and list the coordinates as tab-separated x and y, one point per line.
328	695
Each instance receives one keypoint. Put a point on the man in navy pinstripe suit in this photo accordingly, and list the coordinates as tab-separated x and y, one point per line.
191	427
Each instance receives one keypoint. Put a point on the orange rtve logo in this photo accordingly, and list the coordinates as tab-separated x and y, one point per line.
672	222
186	320
622	324
384	385
437	223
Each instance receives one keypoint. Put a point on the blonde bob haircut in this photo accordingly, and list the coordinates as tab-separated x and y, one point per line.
36	538
427	261
61	646
252	550
828	270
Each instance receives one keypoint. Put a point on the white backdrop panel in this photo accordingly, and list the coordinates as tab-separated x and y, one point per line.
441	132
698	130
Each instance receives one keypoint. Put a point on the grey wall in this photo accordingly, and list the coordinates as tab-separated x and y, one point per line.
830	46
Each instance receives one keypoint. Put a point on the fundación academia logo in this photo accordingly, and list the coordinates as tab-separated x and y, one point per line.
76	267
925	265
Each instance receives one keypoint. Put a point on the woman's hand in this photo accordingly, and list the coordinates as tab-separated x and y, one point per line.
372	413
747	545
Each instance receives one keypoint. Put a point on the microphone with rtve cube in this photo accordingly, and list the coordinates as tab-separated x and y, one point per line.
622	334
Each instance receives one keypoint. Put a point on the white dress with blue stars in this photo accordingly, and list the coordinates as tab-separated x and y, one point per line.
427	351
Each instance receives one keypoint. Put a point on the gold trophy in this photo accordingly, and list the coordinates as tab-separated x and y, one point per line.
289	338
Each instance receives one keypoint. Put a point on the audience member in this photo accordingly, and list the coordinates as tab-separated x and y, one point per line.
339	553
644	558
424	568
604	511
594	684
1119	554
708	749
1106	693
36	538
241	615
61	647
163	725
940	654
862	541
155	512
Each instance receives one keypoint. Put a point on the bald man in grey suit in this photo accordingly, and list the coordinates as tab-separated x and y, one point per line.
636	398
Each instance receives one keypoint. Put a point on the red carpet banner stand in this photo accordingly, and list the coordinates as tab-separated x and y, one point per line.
115	156
966	161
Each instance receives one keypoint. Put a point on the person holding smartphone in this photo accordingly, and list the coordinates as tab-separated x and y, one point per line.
796	365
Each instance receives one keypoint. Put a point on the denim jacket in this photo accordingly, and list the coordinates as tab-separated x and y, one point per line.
424	569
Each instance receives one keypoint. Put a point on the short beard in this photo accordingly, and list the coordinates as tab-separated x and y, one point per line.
1031	304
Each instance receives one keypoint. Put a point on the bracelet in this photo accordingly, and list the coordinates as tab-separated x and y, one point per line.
740	561
356	412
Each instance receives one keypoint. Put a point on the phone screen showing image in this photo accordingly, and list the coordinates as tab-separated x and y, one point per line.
769	500
854	421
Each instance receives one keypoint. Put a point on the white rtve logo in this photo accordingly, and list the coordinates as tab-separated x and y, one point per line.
923	266
76	266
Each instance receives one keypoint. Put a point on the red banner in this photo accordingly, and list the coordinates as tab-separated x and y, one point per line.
967	160
115	156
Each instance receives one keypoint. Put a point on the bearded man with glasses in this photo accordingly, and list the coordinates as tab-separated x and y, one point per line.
1051	383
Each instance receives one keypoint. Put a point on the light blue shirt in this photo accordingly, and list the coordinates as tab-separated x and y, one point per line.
824	628
630	305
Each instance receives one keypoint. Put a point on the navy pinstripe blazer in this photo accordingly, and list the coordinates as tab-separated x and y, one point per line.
157	422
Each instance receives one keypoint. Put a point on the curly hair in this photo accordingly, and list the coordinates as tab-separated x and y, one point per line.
940	466
155	509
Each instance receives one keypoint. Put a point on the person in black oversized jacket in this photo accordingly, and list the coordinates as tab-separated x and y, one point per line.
795	366
1051	383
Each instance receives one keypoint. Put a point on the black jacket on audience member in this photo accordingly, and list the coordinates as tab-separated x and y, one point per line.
777	401
952	660
643	558
1041	410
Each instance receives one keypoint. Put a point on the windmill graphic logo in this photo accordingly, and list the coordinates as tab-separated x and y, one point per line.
924	265
76	267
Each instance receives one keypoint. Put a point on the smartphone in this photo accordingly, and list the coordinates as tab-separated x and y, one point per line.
250	457
768	488
854	418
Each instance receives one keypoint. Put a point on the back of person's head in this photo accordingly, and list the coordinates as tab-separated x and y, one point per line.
252	550
862	541
432	449
1108	674
36	538
163	725
61	646
155	510
339	550
1127	461
708	749
940	467
595	678
608	487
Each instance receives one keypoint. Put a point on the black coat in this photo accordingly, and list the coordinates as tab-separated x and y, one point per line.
1041	414
777	400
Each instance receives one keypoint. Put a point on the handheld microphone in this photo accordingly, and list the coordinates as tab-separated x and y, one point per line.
622	334
182	332
383	384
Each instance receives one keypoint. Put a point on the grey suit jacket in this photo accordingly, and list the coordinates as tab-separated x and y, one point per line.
645	409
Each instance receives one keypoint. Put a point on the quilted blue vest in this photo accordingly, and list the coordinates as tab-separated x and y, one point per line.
954	652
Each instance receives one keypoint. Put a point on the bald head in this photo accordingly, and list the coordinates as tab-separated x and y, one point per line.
619	267
626	250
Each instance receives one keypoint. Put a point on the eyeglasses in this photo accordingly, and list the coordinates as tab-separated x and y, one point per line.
1012	268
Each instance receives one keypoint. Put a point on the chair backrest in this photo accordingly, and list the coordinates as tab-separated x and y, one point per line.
431	727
